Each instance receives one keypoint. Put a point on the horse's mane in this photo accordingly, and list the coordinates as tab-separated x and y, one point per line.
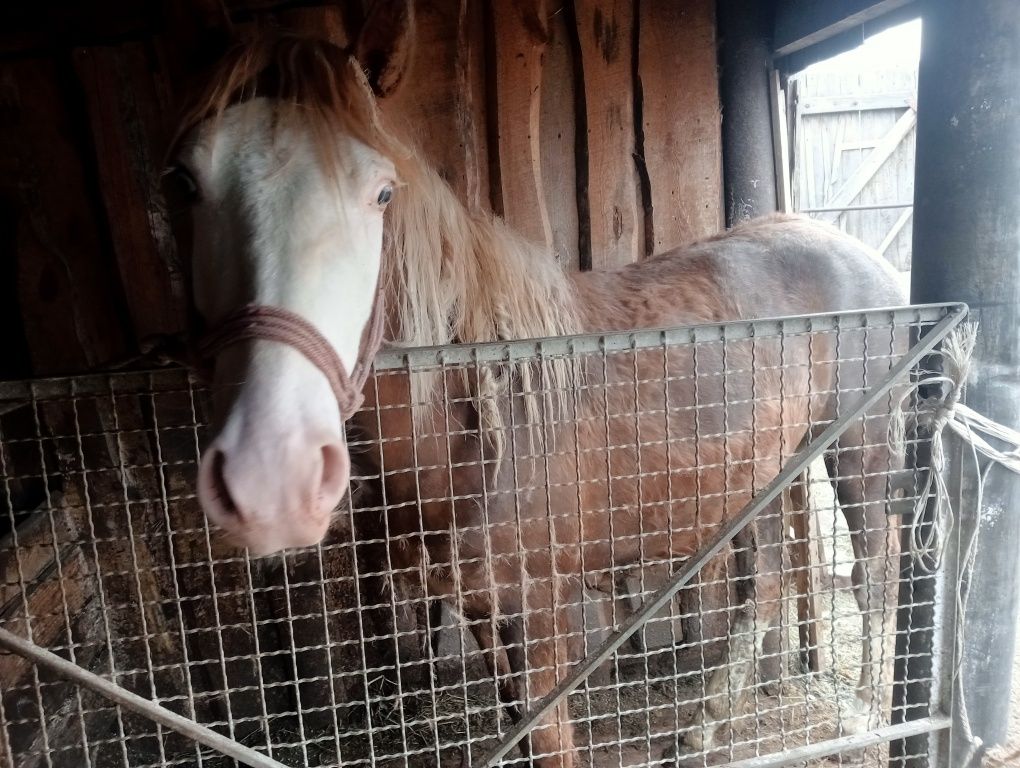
451	275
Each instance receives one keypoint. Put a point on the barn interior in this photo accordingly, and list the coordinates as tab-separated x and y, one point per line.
608	131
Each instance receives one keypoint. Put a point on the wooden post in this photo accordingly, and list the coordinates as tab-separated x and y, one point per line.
967	248
680	120
520	37
749	171
70	307
605	30
558	133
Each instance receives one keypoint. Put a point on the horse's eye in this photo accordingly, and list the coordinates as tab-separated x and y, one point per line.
180	186
385	195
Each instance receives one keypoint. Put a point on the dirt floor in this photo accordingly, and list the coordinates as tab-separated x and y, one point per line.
632	716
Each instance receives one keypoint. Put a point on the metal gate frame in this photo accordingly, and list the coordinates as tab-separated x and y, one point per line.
948	317
943	319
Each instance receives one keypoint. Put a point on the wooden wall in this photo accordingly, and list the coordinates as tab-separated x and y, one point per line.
591	125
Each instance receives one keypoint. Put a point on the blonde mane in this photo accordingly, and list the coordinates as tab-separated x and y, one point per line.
450	275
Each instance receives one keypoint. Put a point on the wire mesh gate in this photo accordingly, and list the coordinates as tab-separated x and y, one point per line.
546	540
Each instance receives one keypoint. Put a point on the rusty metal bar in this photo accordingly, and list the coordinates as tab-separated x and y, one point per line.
115	693
796	756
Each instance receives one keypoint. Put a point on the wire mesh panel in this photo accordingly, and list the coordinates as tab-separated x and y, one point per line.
513	506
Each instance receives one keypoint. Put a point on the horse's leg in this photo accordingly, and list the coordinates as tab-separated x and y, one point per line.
489	636
759	560
435	625
538	650
861	477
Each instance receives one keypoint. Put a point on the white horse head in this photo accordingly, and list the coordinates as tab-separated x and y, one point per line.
288	169
287	172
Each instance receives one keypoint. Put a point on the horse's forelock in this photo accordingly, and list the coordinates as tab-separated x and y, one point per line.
312	75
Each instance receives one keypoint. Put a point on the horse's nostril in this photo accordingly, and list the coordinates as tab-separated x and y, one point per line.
219	486
335	472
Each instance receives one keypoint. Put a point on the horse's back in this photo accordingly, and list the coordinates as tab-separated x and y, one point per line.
787	265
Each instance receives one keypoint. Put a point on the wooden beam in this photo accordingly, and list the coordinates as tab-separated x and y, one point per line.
827	105
780	143
875	160
800	24
681	119
558	132
521	36
605	30
749	164
965	246
127	106
890	238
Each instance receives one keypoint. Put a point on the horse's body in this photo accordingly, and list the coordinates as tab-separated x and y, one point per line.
509	500
668	481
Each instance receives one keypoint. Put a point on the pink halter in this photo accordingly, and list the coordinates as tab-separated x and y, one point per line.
261	321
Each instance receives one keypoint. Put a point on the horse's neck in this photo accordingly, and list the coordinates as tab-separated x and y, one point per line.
464	276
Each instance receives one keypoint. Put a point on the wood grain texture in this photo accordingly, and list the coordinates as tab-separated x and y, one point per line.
471	105
127	103
557	131
681	120
520	39
605	31
438	106
325	21
67	287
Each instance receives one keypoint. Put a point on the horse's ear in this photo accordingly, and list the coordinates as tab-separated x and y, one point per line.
385	44
198	32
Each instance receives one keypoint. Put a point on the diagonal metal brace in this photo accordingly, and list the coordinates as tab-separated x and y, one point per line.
954	315
135	703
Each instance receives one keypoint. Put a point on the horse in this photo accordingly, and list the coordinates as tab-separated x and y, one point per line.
316	232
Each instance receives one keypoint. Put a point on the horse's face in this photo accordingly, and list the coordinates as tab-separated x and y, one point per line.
274	225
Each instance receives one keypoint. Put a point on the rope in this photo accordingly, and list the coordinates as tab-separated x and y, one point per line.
929	533
270	323
932	415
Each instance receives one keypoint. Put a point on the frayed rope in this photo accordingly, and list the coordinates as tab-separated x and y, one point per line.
931	415
929	533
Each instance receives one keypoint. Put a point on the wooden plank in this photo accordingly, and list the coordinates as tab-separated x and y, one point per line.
824	105
852	187
780	143
894	232
521	37
32	563
44	598
471	105
69	304
802	23
127	106
325	21
558	130
605	30
439	105
681	119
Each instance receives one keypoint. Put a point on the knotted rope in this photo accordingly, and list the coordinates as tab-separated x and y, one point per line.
931	415
930	532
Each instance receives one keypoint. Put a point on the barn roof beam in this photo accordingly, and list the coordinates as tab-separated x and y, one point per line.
806	31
